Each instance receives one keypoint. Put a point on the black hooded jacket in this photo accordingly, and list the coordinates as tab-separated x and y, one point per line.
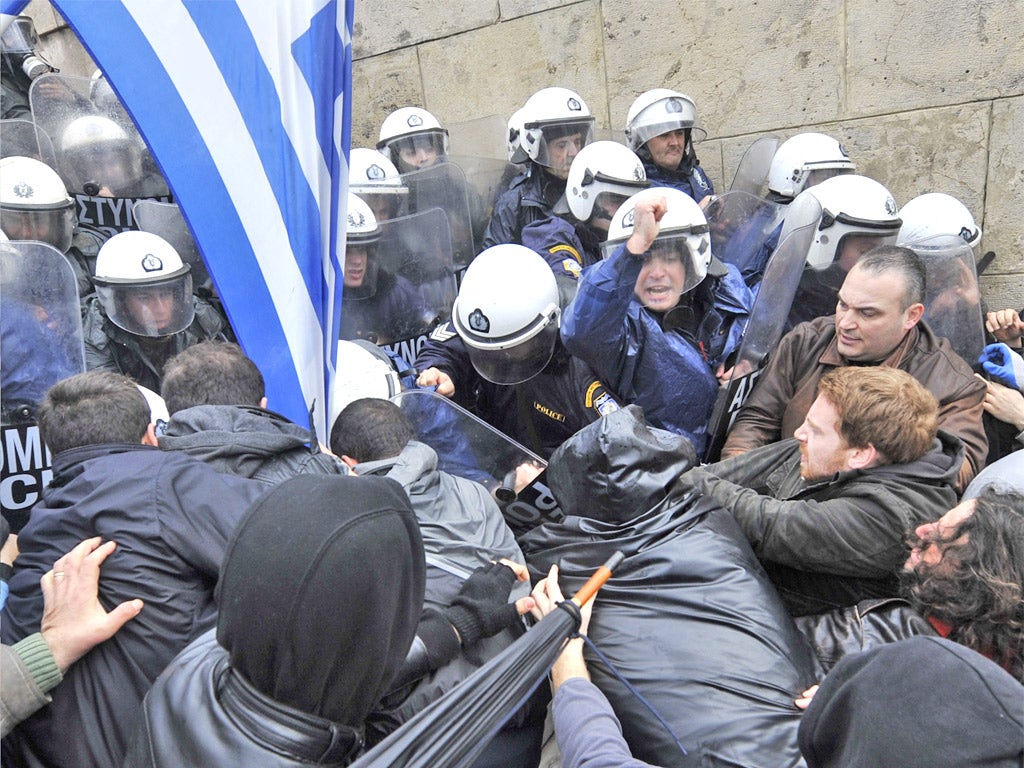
689	617
248	441
320	595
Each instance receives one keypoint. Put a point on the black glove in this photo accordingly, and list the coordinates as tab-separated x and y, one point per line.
481	608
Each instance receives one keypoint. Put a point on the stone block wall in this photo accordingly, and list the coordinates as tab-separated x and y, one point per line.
926	96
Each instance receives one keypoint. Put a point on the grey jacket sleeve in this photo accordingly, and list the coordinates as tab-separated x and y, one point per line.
587	730
28	671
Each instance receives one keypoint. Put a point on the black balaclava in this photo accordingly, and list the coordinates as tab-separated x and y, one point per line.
922	702
321	592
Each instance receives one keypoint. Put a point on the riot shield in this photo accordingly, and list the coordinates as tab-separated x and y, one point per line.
752	172
444	186
952	298
21	138
406	287
41	330
740	225
100	155
167	221
768	318
469	448
487	178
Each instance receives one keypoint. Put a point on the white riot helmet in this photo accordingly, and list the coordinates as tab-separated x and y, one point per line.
143	285
361	235
659	111
603	168
376	180
852	206
516	150
805	160
34	203
102	95
412	129
936	213
101	153
683	232
550	115
507	313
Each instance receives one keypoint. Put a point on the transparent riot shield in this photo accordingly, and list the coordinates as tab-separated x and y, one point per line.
444	186
952	297
40	344
399	288
21	138
469	448
752	172
167	221
487	178
741	225
768	318
100	154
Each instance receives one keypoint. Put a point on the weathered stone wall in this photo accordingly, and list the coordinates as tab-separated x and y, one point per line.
926	96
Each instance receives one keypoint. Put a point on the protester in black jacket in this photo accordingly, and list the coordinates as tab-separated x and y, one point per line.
217	400
171	516
300	659
689	617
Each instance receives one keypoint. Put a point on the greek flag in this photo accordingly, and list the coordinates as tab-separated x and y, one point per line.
246	106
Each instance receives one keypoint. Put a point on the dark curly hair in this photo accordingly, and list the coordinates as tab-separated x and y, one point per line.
978	587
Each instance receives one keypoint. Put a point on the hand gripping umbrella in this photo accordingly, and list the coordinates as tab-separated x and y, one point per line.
454	730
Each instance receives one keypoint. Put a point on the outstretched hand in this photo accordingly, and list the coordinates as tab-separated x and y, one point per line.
73	618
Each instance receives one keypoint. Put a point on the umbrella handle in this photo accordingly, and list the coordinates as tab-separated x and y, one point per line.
595	582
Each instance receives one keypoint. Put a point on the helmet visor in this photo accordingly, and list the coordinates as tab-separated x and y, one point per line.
360	270
659	118
514	365
20	36
54	226
420	150
556	144
151	309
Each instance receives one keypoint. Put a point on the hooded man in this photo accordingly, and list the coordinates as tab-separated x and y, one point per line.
688	617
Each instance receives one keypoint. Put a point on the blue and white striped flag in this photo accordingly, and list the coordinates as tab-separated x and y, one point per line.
246	106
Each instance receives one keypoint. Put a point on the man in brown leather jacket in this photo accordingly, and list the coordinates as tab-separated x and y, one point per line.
877	322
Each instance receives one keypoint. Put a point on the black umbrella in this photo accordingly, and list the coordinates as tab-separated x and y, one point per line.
454	730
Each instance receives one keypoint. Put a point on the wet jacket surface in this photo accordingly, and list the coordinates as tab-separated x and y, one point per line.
539	413
171	517
789	385
529	197
669	375
689	617
831	542
109	347
247	441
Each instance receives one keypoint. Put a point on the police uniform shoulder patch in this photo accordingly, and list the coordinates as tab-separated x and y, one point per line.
571	267
443	332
